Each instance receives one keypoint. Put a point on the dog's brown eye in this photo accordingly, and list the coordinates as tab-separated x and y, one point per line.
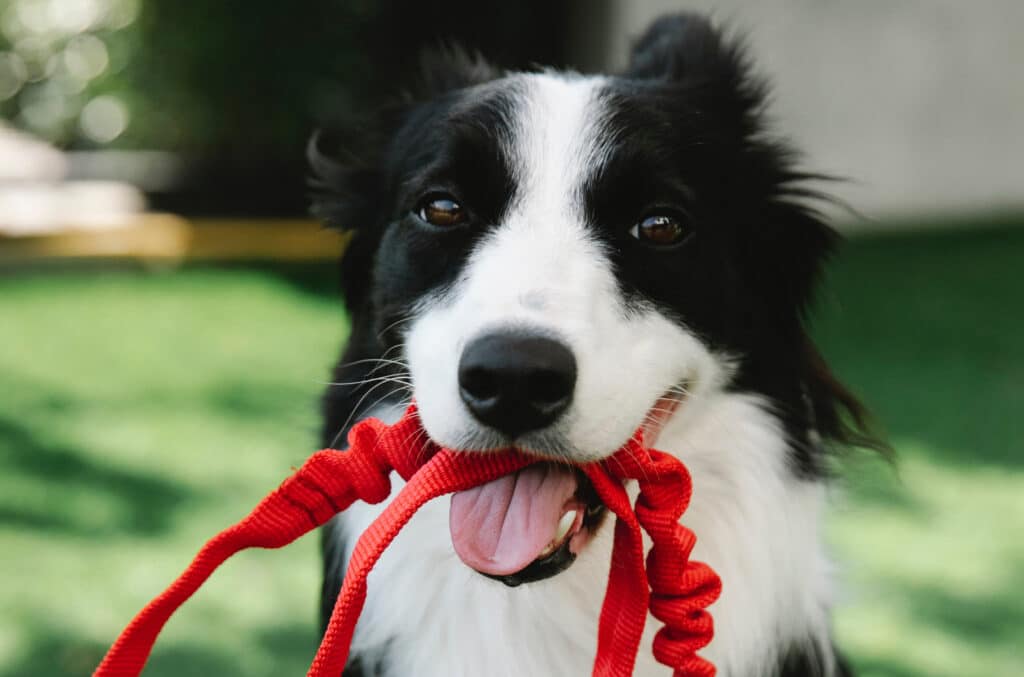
660	229
442	211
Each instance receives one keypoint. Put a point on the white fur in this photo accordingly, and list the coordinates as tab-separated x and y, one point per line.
540	269
427	613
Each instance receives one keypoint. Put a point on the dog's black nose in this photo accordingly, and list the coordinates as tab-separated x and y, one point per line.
516	382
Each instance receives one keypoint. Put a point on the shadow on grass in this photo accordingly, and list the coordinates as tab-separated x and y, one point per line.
875	481
145	502
922	326
53	653
320	280
984	622
248	400
880	667
987	620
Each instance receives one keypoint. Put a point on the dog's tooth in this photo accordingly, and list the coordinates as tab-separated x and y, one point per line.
564	525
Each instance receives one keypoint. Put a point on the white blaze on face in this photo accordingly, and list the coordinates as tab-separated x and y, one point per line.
543	270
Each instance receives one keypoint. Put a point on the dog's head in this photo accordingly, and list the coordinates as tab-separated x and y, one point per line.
553	260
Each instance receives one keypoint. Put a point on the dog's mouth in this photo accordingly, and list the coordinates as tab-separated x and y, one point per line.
532	524
526	526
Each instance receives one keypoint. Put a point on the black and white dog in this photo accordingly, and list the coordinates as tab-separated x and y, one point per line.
551	260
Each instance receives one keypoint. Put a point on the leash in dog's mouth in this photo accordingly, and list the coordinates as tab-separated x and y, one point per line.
532	524
664	582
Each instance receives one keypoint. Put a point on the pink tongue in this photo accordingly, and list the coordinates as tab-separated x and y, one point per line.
500	527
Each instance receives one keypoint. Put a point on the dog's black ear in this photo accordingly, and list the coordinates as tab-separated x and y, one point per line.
682	46
349	188
346	190
343	185
450	66
345	177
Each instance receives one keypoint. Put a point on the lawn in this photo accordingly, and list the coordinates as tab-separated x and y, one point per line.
140	411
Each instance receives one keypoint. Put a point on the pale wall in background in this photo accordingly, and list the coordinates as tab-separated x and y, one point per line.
920	104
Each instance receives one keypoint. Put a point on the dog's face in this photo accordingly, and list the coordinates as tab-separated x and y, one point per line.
562	259
548	313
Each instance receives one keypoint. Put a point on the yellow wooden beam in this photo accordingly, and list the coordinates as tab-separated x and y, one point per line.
164	237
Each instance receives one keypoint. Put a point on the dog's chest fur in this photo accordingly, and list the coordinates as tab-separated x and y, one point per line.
427	614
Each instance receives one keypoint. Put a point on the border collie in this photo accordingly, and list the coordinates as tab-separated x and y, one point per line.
551	260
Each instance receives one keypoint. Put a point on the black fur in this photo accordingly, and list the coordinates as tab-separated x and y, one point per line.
687	118
688	126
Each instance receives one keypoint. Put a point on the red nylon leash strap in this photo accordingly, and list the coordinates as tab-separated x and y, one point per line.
680	590
675	590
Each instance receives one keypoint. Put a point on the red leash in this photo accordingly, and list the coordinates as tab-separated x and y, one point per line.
675	590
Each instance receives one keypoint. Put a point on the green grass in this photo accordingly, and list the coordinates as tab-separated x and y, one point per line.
930	330
139	413
142	411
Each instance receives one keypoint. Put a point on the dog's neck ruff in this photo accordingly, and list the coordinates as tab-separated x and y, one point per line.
675	590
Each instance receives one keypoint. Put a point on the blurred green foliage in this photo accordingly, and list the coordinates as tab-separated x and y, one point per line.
187	75
235	77
140	412
58	56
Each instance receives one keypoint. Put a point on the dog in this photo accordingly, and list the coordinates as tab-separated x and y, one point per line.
550	261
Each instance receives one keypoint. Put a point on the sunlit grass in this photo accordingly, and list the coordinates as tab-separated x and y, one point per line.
140	412
926	327
933	574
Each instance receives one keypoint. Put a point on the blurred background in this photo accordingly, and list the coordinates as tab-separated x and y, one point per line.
168	311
